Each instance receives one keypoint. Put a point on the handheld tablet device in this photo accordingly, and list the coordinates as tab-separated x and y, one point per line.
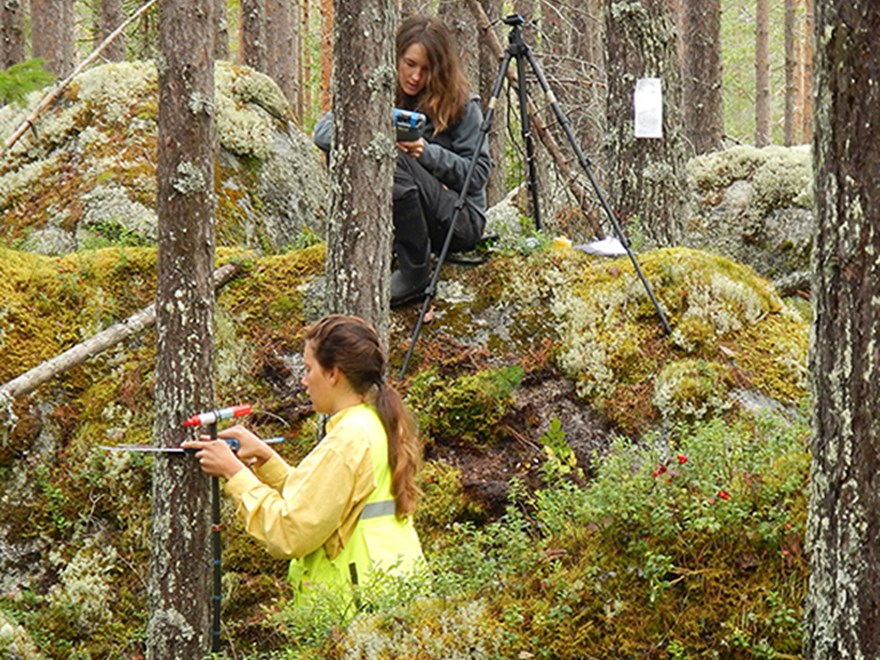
409	124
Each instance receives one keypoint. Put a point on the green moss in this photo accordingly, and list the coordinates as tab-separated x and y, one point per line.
720	312
267	305
690	390
443	502
465	409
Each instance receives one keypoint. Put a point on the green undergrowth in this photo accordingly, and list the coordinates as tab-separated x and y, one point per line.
684	545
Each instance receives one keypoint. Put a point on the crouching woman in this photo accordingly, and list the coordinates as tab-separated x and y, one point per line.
346	510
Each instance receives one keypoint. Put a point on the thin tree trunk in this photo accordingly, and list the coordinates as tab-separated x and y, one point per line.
11	33
221	36
359	232
489	69
180	577
762	73
111	17
304	72
52	34
282	43
254	52
701	74
327	9
791	123
842	610
807	75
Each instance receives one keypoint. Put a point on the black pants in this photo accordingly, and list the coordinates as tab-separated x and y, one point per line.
423	210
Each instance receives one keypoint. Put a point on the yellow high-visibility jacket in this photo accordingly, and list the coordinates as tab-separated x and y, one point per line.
333	514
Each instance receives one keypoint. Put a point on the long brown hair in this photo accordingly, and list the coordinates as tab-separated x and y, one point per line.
352	345
447	89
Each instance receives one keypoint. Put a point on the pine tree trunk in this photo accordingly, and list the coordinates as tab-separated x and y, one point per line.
282	42
701	74
11	33
762	73
327	8
362	162
807	73
221	31
843	529
304	96
180	579
790	119
111	17
497	137
253	35
647	175
52	34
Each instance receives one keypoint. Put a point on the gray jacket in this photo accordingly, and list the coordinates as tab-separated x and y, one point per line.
447	156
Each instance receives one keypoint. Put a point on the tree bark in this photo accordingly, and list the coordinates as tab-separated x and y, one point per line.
111	17
254	52
842	613
647	175
807	73
221	31
304	70
496	187
52	34
762	73
11	33
180	585
282	44
326	9
359	231
701	75
791	111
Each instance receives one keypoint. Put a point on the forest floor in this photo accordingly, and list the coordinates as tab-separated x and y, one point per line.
518	451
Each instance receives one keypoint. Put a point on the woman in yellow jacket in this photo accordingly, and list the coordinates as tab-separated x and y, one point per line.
347	508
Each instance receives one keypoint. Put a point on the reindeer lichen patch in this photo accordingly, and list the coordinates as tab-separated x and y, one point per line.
721	314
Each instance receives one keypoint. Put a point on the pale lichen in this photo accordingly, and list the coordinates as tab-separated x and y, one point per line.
189	179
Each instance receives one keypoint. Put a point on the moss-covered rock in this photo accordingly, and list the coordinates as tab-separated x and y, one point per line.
76	518
86	176
754	206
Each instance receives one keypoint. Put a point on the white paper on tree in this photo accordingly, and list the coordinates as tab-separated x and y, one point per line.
648	104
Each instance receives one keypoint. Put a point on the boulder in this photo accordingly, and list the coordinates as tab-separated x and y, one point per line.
85	176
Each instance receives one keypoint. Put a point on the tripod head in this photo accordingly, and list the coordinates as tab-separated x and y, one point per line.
514	20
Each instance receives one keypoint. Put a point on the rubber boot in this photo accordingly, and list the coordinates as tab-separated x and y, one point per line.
413	273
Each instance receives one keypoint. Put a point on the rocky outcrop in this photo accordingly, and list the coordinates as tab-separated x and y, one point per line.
85	177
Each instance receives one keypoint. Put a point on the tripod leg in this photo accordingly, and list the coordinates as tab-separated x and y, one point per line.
526	129
431	290
585	164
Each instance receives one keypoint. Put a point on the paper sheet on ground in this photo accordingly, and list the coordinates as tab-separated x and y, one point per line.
607	247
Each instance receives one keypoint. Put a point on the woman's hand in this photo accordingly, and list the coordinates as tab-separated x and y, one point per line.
217	458
251	450
415	148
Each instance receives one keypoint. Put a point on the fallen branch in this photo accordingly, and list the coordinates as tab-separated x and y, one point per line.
50	98
76	355
577	188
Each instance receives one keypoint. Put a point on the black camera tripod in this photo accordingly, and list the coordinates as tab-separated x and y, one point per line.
520	51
